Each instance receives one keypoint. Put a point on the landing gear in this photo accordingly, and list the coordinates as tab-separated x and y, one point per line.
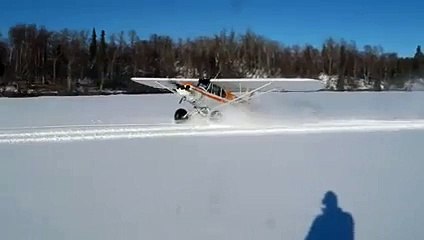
181	115
215	116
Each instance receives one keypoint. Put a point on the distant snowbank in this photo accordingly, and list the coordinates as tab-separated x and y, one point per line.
358	84
415	85
363	85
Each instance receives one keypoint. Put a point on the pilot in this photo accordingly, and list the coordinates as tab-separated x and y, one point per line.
205	75
204	81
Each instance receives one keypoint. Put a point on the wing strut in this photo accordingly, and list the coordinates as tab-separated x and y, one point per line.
243	95
166	87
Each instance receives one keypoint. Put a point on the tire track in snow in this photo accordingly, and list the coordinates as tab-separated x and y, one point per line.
135	131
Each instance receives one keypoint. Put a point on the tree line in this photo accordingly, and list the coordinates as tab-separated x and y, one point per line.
35	55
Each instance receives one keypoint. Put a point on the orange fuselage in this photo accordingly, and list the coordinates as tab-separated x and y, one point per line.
228	96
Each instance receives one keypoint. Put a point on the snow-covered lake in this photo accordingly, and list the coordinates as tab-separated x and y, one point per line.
116	168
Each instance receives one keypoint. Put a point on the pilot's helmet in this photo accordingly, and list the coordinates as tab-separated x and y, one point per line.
204	75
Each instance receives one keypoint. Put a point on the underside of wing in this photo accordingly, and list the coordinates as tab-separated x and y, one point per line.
163	83
239	84
276	84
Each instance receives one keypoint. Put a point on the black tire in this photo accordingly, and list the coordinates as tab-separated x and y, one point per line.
180	115
215	116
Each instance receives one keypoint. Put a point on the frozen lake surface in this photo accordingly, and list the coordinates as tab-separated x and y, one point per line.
117	168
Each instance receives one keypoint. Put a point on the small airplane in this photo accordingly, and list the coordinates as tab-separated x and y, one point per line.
208	96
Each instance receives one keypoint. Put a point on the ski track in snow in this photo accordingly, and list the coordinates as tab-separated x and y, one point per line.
72	133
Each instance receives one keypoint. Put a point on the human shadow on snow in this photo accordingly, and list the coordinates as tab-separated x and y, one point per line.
333	223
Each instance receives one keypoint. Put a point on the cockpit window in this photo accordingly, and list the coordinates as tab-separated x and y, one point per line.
204	83
223	93
217	90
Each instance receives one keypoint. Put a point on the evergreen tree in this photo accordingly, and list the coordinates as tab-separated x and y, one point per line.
418	63
102	61
93	47
419	53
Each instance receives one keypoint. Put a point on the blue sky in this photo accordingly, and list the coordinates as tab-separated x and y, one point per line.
395	25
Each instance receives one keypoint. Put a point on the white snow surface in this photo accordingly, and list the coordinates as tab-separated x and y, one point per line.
116	167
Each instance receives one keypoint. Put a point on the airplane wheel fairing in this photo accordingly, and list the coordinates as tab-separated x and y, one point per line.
215	116
180	115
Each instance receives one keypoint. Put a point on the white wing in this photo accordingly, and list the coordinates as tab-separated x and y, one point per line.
163	83
278	84
240	84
